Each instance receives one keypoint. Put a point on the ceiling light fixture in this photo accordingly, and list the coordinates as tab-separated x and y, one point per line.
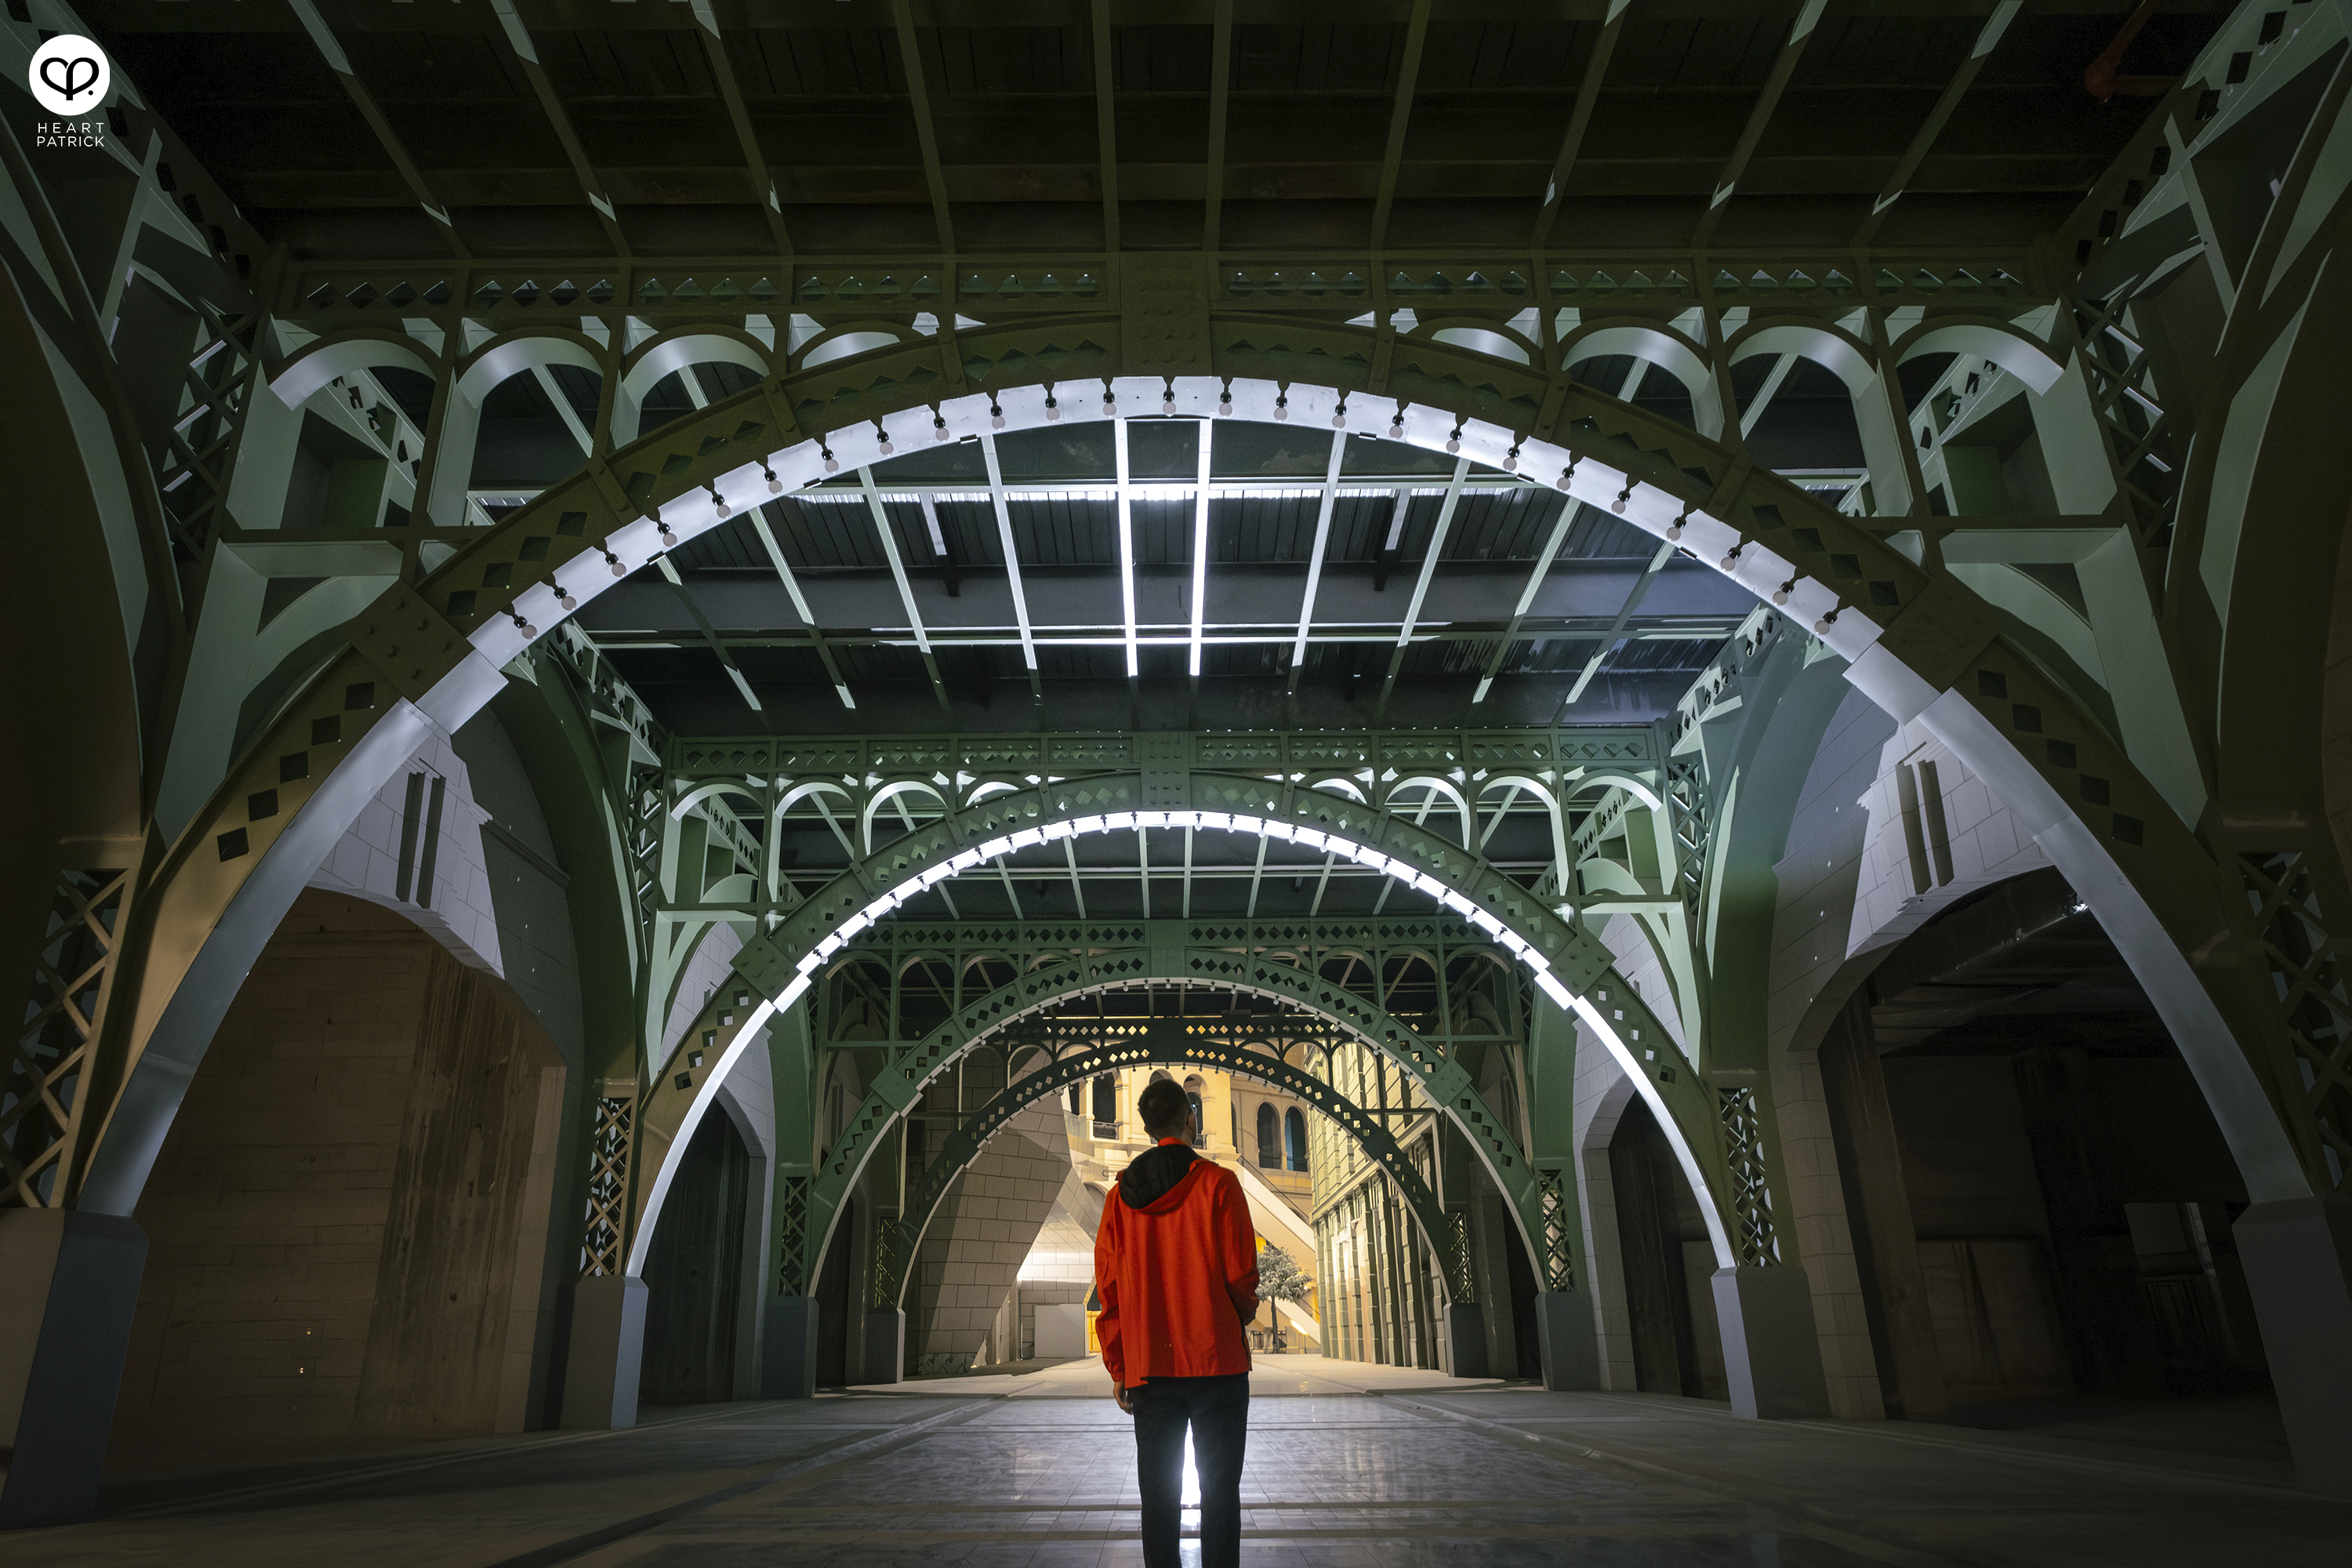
1511	459
718	501
614	562
1282	407
1618	505
883	445
775	485
938	427
1674	528
529	632
1567	474
1396	426
1781	595
832	463
995	418
1168	399
1821	627
1453	441
1731	560
564	597
1339	415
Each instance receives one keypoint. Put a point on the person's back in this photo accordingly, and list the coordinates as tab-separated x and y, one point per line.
1176	1270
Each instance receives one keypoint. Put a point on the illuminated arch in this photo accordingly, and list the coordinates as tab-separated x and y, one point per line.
432	655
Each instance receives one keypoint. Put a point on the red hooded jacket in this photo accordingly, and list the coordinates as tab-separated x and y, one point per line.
1177	1274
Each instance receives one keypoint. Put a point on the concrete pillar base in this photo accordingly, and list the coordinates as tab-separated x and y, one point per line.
788	1350
1462	1342
1772	1348
886	1348
69	1289
607	1352
2297	1254
1566	1337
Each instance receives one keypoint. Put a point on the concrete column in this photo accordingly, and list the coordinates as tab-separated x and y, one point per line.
1570	1340
1771	1349
607	1352
789	1348
2297	1254
884	1358
69	1289
1462	1342
1911	1372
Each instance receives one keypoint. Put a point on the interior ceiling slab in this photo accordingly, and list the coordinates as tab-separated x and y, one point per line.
1011	91
514	128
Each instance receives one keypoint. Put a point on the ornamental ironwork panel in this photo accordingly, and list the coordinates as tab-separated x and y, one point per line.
1751	1197
49	1057
1552	1194
608	1186
2307	977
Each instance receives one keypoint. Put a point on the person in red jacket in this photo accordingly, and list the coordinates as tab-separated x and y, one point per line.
1176	1269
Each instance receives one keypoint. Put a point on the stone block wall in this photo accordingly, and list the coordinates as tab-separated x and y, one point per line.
372	1133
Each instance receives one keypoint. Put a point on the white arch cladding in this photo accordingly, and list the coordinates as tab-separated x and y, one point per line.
664	355
1548	791
1588	779
1670	351
2006	346
177	1042
317	364
888	792
1885	427
461	421
1438	785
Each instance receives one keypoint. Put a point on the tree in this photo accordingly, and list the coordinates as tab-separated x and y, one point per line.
1279	1277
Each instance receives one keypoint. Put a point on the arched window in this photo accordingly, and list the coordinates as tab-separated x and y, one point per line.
1105	1105
1269	1140
1294	1138
1192	1088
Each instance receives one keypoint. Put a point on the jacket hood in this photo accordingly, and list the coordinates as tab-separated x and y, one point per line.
1155	1174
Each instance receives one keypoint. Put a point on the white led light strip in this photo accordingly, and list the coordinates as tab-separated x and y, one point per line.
1230	821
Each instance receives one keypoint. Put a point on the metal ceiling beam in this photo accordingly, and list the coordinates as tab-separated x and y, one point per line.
1416	34
1633	602
906	591
1315	564
1126	544
1106	122
710	635
526	53
1012	563
1551	628
815	634
1588	96
323	38
1200	555
1542	569
1938	116
919	94
1763	398
1221	77
1421	588
1800	34
755	160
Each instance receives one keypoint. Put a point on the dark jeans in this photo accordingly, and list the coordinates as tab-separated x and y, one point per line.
1218	1411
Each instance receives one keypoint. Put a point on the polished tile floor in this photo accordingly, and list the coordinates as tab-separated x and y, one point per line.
1353	1466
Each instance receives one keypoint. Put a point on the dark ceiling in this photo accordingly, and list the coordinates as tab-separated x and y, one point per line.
631	100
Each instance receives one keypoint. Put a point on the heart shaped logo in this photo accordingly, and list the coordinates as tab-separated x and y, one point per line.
69	76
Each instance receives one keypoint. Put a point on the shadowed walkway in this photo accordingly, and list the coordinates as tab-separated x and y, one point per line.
1348	1465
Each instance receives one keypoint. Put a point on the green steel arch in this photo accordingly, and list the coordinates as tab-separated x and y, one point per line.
776	968
1919	644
